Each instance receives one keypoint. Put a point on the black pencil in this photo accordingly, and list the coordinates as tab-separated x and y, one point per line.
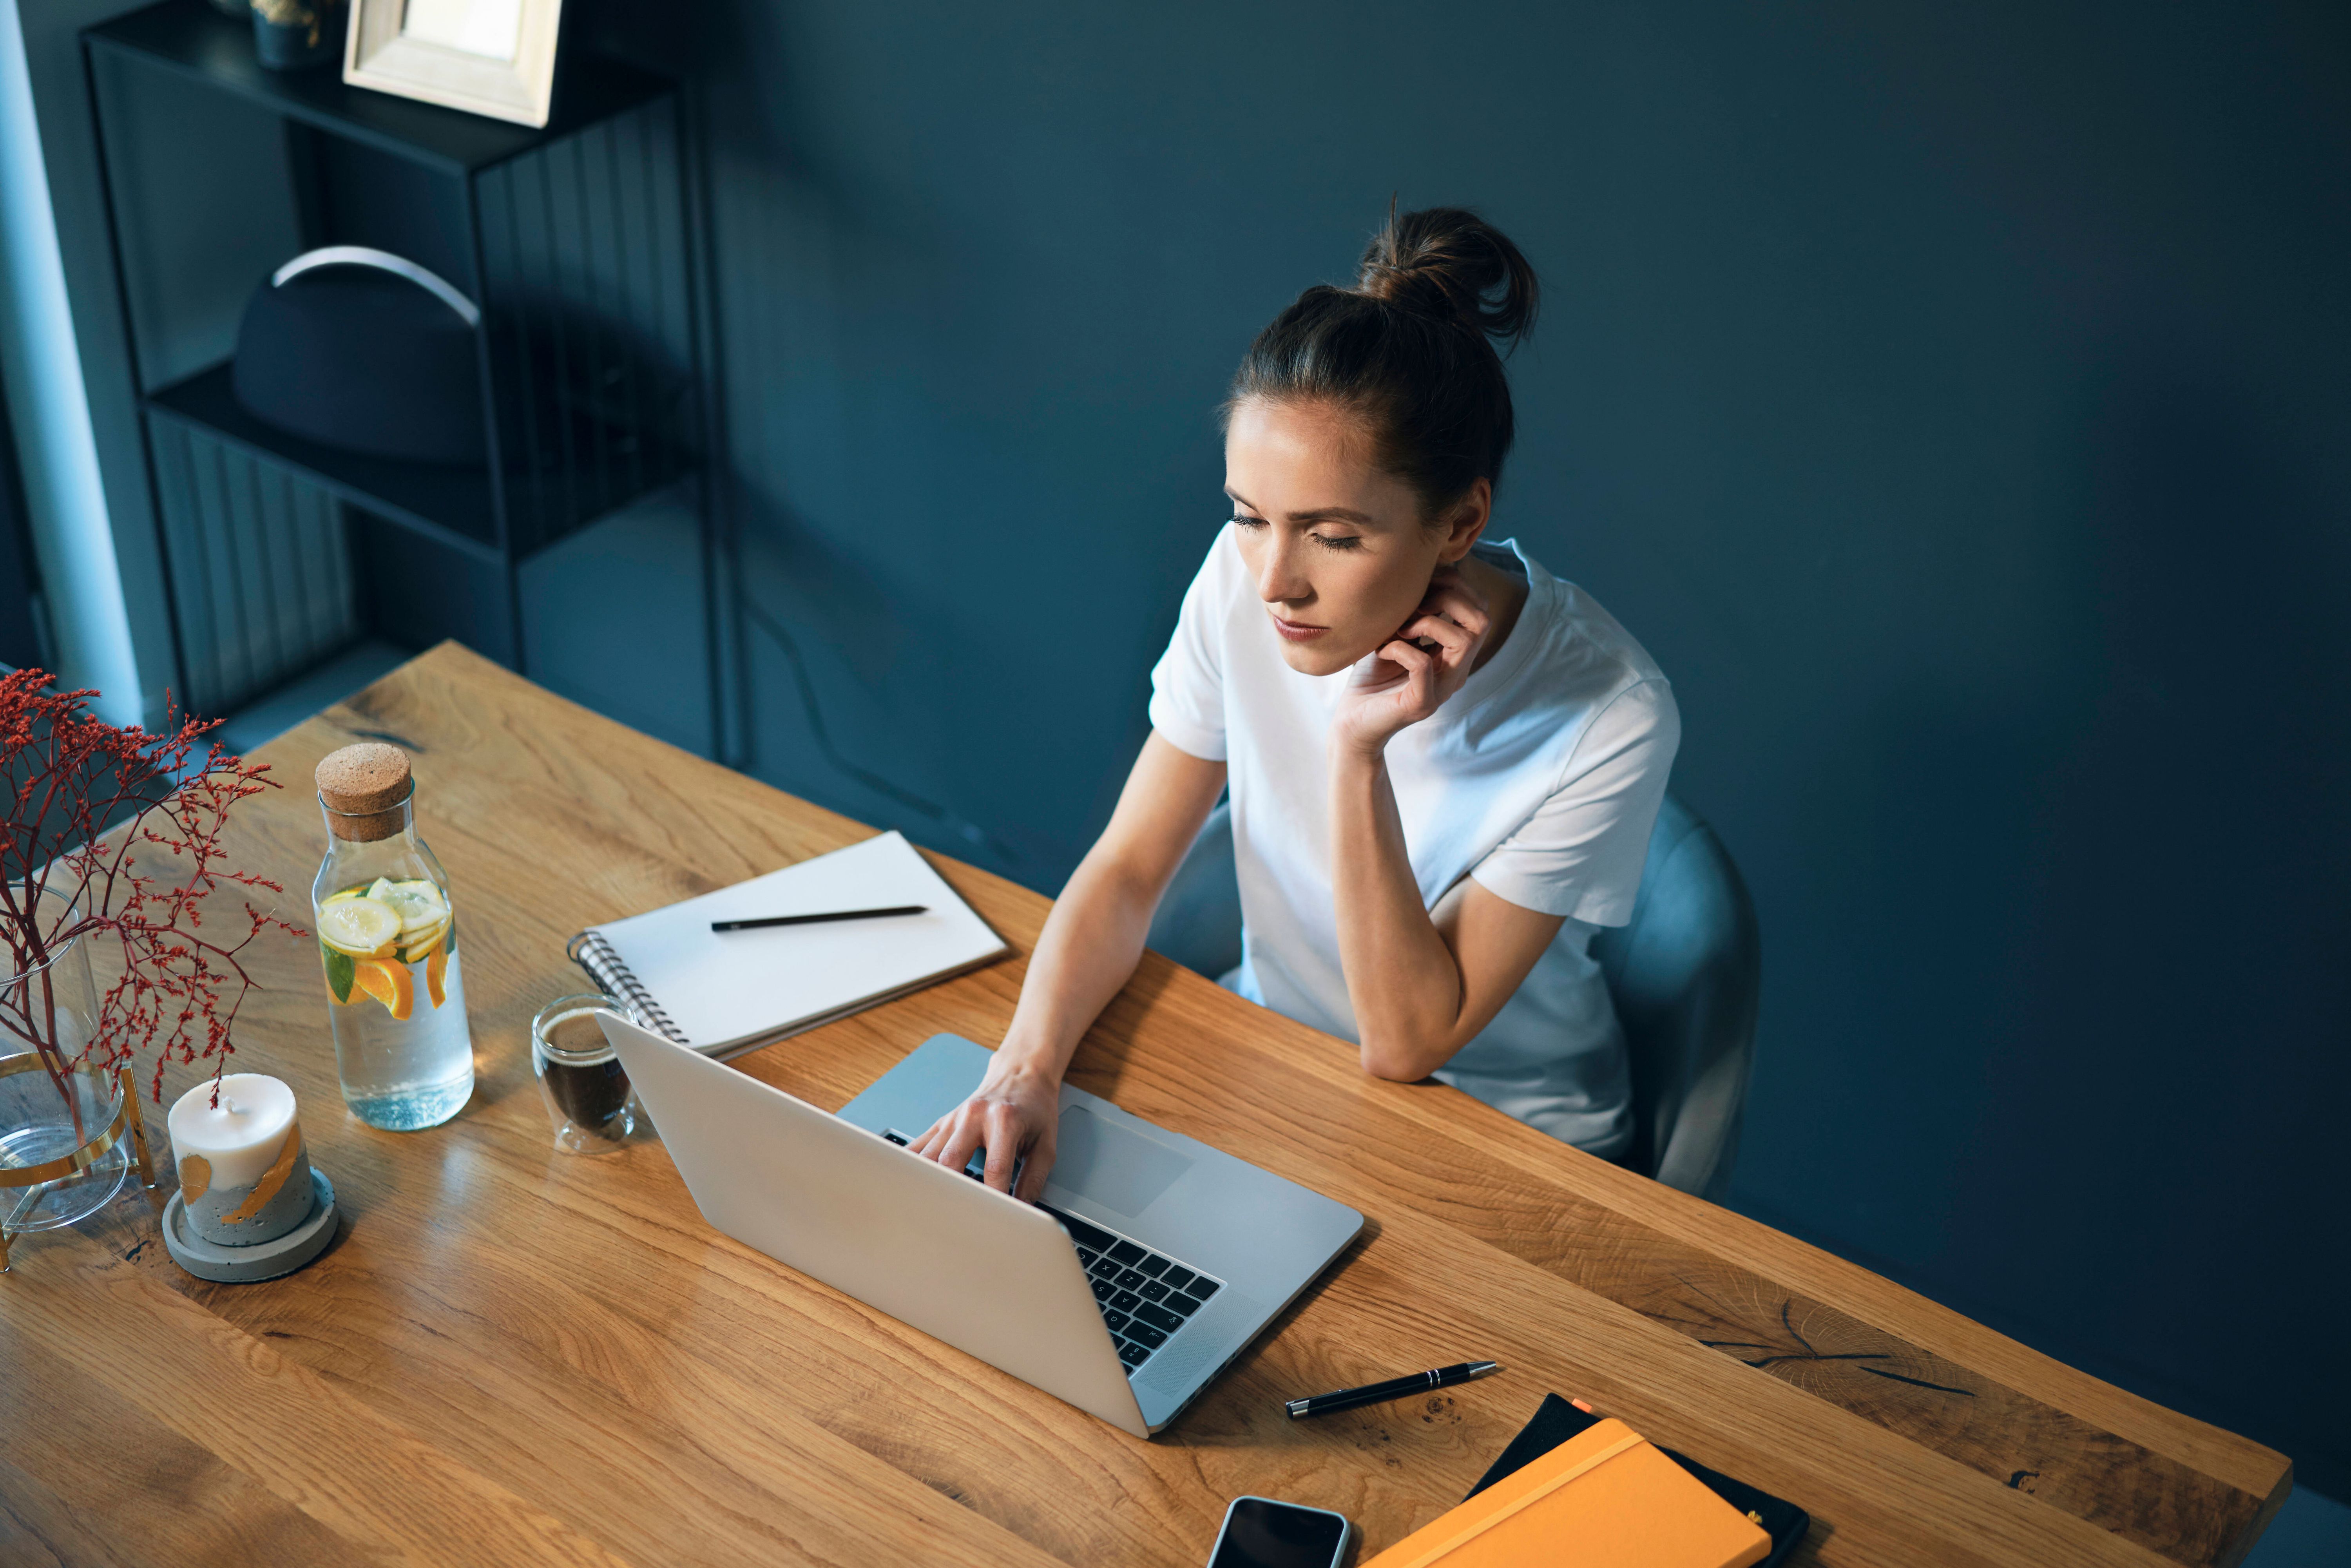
819	919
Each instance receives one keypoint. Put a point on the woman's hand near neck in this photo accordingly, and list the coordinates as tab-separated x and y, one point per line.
1469	610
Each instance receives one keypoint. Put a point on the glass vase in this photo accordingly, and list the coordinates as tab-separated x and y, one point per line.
62	1150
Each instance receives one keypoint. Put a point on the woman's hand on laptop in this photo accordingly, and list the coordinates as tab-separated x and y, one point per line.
1087	951
1014	1115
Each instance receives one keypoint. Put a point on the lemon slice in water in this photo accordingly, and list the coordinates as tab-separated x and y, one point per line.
360	927
420	902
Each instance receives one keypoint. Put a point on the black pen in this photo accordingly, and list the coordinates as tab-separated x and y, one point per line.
1394	1388
819	919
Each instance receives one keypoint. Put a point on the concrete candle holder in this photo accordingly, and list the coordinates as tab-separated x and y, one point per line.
249	1206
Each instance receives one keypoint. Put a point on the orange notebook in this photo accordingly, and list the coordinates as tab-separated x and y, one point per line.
1604	1495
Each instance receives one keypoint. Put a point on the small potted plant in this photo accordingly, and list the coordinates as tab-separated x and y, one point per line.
109	837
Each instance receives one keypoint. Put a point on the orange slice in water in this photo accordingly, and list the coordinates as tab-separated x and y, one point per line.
436	970
389	982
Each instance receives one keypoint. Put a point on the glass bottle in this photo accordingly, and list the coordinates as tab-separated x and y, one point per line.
387	933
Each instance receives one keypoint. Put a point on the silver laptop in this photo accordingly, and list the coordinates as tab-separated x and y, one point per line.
1153	1261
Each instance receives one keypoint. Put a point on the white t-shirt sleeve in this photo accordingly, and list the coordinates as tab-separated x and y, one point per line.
1581	853
1187	686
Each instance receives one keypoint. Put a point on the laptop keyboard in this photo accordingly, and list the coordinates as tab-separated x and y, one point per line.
1145	1297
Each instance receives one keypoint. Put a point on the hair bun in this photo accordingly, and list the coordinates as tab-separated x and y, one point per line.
1450	263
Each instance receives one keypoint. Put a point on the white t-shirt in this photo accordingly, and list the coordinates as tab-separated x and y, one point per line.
1542	778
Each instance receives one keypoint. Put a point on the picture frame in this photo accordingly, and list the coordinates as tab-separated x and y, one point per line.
494	57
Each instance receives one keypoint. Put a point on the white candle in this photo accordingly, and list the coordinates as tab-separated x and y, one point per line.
238	1139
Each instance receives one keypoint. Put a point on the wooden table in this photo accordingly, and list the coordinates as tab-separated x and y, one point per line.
512	1356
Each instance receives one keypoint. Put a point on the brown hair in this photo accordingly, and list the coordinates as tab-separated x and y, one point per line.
1410	350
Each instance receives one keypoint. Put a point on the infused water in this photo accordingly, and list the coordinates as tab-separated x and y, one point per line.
402	1047
388	945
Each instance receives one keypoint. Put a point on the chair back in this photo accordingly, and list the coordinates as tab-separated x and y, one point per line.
1686	975
1198	923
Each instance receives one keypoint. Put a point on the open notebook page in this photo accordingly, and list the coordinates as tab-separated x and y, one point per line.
724	990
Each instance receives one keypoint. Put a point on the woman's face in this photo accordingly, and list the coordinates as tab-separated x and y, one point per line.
1339	549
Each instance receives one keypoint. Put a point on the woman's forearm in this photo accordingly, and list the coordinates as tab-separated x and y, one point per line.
1402	979
1093	938
1087	952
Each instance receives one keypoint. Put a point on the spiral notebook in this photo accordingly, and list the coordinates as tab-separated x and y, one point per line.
721	992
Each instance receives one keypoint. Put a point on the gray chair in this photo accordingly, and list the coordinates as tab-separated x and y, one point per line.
1686	975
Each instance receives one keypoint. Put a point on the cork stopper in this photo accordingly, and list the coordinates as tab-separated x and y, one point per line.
363	788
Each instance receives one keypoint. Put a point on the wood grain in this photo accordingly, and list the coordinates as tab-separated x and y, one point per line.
511	1354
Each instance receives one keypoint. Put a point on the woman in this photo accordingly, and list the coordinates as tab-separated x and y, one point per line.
1443	762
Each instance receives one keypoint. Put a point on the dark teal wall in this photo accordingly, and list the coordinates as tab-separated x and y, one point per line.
21	639
1953	399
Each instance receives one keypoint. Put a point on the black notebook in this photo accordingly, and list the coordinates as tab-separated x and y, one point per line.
1557	1421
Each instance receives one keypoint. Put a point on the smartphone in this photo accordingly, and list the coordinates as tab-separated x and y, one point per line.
1259	1532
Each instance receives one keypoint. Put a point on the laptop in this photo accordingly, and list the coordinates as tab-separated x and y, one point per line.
1151	1261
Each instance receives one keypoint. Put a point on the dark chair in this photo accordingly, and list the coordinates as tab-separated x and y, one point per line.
1686	975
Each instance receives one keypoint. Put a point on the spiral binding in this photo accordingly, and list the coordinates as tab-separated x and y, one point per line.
604	965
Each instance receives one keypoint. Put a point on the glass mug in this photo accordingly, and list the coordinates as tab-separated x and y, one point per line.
590	1105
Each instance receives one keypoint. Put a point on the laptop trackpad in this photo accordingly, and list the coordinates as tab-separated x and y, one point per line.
1120	1170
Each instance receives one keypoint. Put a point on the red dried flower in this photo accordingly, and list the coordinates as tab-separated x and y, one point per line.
81	794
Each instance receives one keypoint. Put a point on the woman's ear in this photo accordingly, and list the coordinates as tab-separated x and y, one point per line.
1464	521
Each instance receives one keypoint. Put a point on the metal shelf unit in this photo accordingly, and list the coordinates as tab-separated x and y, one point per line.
576	241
